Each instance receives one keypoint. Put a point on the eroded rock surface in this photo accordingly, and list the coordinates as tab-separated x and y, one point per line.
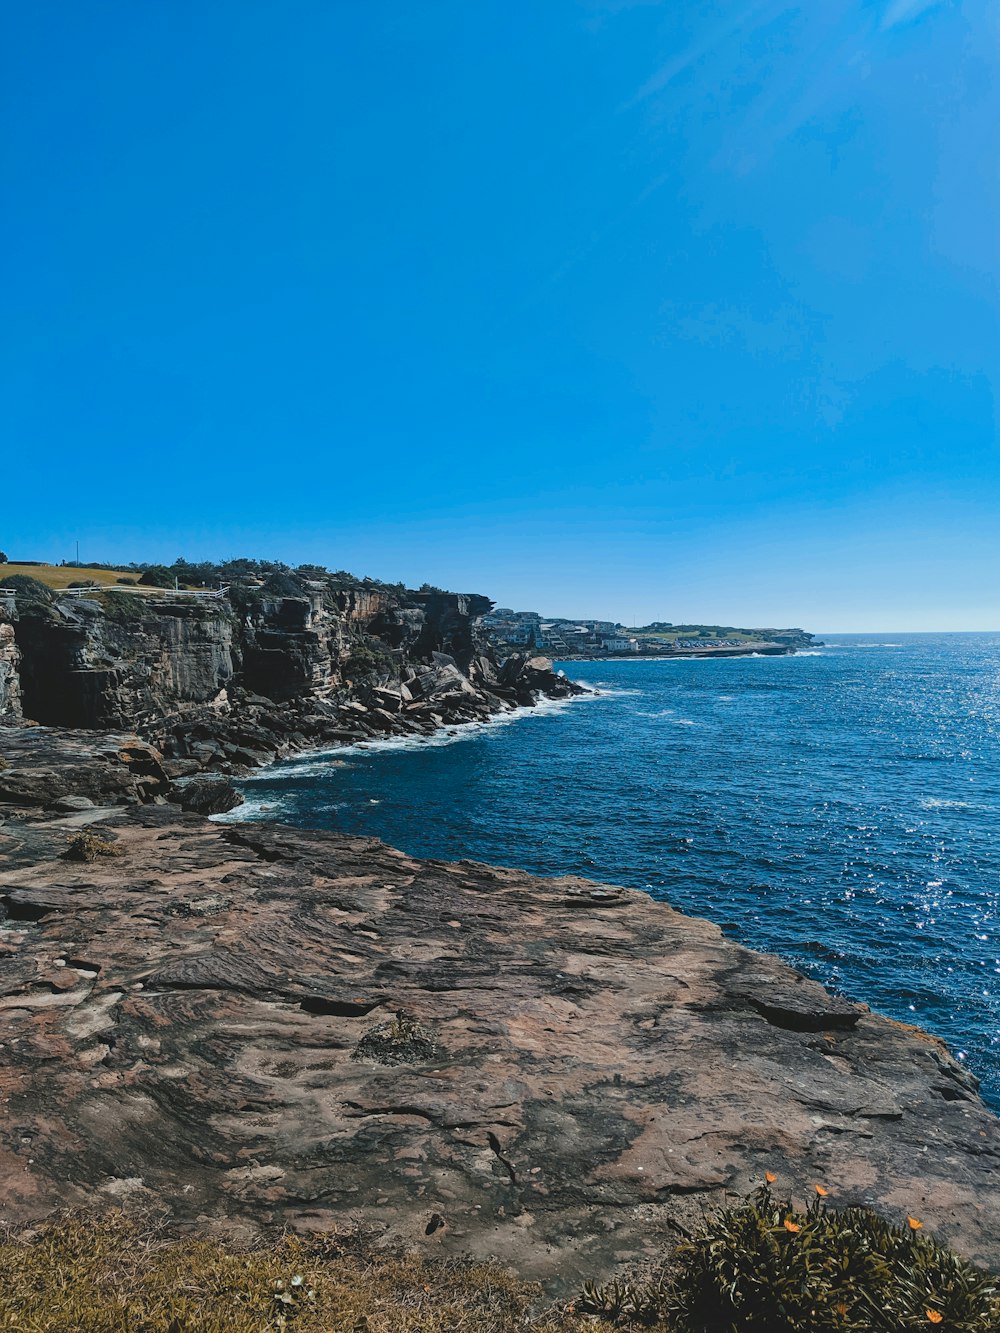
49	766
201	1022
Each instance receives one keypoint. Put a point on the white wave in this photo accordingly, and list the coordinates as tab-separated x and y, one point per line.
251	811
313	763
684	722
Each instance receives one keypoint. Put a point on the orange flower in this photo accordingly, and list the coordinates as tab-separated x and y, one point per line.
915	1223
934	1316
821	1191
791	1226
770	1177
842	1308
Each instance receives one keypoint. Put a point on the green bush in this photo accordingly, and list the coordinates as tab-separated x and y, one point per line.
156	576
766	1266
364	660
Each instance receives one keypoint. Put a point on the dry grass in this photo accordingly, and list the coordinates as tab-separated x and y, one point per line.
88	846
81	1276
61	576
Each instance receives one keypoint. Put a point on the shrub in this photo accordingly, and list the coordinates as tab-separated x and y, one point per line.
282	584
366	659
126	580
3	557
766	1267
403	1041
156	576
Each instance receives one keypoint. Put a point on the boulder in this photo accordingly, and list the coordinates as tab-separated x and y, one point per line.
207	796
72	804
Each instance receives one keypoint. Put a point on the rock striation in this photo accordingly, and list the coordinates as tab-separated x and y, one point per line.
253	1026
41	767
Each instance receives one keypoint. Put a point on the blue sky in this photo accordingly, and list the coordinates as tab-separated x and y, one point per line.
673	310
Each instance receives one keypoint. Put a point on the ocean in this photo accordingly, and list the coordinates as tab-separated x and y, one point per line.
838	808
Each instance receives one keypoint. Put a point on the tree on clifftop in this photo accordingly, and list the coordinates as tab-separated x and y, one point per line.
157	576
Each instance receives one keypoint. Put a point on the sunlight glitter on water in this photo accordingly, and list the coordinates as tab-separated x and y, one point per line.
818	806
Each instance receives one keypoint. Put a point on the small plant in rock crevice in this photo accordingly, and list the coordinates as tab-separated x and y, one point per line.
403	1041
88	846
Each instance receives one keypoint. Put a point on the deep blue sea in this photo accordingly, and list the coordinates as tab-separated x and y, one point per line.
839	808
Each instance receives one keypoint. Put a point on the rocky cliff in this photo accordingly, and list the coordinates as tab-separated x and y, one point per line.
233	681
10	660
254	1026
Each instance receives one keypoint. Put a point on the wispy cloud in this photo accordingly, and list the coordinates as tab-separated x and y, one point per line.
903	11
673	68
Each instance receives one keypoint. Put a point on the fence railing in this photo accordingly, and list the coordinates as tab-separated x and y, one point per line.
199	594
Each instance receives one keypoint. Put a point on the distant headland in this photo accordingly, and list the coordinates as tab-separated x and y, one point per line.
583	638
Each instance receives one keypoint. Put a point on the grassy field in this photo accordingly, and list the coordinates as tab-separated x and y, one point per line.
59	577
84	1276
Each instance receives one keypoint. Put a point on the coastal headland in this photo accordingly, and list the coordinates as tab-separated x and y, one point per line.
224	679
250	1027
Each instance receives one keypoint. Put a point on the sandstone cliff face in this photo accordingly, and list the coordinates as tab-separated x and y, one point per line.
81	667
230	684
316	643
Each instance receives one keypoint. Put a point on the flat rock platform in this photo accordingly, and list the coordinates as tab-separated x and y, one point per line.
251	1026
